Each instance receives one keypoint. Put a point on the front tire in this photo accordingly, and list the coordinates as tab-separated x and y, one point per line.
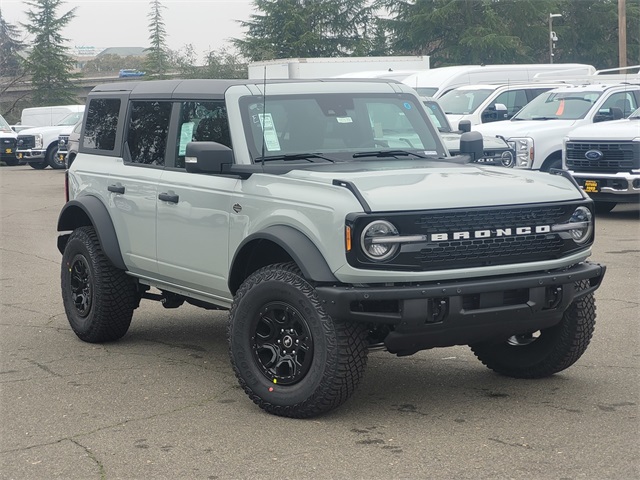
555	349
98	298
289	356
52	159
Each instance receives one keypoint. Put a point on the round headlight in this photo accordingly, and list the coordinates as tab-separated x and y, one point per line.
507	159
583	221
373	242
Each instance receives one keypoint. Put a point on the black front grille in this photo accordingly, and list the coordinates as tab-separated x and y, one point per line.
26	142
616	156
493	238
7	143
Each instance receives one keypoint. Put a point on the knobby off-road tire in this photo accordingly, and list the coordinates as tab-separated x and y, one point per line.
289	356
554	350
98	298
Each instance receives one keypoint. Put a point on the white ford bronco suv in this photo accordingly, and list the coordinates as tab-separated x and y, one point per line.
327	216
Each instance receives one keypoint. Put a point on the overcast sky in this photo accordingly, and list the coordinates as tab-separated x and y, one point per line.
207	24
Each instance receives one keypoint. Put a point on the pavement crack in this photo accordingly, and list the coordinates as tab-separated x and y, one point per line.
92	456
44	367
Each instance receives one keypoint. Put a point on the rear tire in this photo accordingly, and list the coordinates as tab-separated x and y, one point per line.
98	298
555	349
39	165
289	356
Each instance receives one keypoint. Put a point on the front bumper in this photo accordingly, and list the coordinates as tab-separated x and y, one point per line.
28	156
616	187
462	312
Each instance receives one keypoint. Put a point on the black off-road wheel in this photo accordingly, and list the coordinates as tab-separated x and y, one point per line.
98	298
289	356
543	353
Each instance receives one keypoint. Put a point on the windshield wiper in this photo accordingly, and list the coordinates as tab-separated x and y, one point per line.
544	118
293	156
387	153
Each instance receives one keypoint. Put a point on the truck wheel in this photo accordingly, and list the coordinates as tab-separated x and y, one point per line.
53	160
289	356
11	162
98	298
39	165
550	351
604	207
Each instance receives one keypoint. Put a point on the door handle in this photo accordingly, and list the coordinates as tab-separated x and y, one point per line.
116	188
169	197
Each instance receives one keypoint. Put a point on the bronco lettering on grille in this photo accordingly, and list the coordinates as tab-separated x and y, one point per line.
489	233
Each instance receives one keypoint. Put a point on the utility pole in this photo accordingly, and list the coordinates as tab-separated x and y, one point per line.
552	35
622	33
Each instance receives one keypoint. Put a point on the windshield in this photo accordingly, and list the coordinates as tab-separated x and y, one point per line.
70	119
337	126
4	126
463	102
558	106
437	116
426	91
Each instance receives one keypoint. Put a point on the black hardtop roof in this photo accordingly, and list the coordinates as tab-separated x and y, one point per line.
201	88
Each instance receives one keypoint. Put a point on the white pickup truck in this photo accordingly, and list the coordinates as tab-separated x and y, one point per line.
38	146
605	161
536	131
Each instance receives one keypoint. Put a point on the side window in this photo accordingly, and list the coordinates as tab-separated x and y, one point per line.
514	101
625	101
201	121
147	132
101	125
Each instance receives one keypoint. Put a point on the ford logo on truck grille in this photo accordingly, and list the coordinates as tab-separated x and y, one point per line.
593	155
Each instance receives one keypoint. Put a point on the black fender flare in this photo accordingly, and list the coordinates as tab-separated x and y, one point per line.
297	245
96	214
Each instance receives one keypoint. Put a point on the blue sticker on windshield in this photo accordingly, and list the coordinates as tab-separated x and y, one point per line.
407	105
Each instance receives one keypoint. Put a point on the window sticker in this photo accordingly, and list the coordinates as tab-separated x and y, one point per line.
186	135
269	132
344	119
407	105
430	152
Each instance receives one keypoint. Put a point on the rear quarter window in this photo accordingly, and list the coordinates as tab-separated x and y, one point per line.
101	124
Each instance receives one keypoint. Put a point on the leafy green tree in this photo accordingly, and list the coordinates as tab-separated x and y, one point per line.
49	63
308	28
157	60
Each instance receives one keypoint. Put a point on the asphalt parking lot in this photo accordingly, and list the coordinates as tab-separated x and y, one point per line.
163	402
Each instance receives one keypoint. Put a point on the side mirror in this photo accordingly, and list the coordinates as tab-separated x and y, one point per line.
464	126
207	157
471	144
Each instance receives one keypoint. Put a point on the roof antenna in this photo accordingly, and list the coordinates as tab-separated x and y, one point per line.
264	110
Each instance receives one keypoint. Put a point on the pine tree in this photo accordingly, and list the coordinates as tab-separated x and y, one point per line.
157	60
308	28
49	62
10	45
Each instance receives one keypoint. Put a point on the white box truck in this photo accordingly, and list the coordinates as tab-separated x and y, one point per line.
325	67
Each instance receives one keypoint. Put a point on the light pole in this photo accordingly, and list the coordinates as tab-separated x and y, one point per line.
552	35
